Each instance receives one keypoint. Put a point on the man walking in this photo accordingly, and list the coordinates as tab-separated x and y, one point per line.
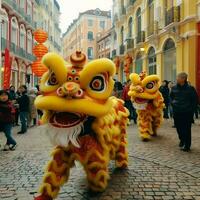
184	101
23	108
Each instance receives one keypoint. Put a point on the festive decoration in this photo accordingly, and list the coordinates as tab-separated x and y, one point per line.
39	51
82	120
7	70
127	65
148	101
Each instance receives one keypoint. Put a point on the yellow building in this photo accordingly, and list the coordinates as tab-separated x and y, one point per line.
160	35
83	32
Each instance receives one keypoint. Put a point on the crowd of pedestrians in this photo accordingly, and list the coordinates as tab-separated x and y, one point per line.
180	99
15	105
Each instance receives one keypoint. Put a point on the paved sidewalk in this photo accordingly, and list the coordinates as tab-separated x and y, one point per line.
157	169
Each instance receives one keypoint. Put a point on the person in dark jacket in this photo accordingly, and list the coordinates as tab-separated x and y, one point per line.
6	119
184	101
23	101
164	89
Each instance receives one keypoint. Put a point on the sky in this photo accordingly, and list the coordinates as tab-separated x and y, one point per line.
70	9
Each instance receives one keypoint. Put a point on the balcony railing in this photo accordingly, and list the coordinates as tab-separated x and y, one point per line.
121	49
18	51
140	37
130	44
172	15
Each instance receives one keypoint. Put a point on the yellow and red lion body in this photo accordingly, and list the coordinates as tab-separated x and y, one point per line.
148	101
84	122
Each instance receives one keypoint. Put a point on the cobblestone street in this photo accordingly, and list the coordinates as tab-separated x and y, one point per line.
157	169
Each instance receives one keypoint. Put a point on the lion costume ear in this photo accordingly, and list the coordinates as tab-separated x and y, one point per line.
56	64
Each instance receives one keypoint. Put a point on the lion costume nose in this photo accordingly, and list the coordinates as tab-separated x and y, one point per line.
70	89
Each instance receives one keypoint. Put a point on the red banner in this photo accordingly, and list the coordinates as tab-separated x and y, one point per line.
7	70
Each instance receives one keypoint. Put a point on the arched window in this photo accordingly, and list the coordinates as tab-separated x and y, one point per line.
152	61
15	31
122	35
90	53
169	60
29	42
22	36
4	26
139	25
138	63
130	27
150	17
90	35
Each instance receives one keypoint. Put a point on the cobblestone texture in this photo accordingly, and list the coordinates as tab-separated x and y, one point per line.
157	169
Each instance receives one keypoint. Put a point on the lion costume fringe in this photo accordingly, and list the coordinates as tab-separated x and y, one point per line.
148	101
84	122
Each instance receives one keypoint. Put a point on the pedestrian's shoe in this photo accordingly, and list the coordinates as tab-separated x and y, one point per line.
12	147
181	144
6	147
186	149
21	132
43	197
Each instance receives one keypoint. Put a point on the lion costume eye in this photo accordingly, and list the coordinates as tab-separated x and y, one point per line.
52	80
98	83
150	85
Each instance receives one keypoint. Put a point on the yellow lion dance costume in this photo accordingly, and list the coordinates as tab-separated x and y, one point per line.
83	121
148	101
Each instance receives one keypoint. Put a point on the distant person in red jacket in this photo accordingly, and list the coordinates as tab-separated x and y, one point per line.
127	102
7	115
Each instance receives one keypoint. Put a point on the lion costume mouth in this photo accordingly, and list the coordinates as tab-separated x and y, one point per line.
66	119
141	100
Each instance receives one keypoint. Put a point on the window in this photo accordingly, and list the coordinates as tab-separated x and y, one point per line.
122	35
115	36
29	42
102	24
90	53
90	35
90	22
138	63
130	26
152	61
14	33
150	17
139	25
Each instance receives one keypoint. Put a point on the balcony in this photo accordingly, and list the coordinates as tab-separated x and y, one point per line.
172	15
140	37
130	44
121	49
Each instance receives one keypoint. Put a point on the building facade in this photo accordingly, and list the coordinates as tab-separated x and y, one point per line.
47	14
83	32
103	44
19	19
159	35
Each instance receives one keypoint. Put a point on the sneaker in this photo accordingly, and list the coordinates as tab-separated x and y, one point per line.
186	149
6	147
21	132
181	144
12	147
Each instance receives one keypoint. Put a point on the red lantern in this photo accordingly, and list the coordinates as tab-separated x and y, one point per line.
38	68
40	50
40	36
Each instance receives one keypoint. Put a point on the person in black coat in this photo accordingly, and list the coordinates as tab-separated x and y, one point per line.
23	102
164	89
184	101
